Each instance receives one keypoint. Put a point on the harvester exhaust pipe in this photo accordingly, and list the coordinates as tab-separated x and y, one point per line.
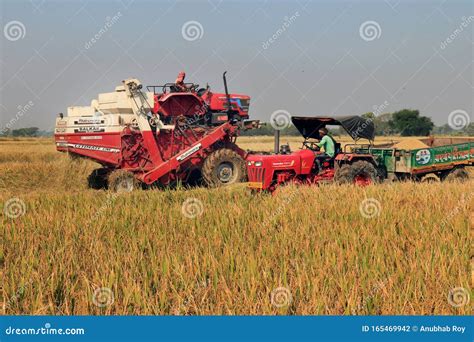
226	92
276	147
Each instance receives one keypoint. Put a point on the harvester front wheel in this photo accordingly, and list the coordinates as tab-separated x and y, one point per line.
223	167
123	181
98	178
360	173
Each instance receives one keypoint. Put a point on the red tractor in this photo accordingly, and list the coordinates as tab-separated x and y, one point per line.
172	133
267	171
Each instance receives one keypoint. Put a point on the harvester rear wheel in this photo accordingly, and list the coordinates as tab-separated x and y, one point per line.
98	178
360	173
123	181
460	175
223	167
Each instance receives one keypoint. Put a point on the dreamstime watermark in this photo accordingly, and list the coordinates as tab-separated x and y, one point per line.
109	22
287	22
192	30
379	109
458	297
192	208
281	208
370	208
14	208
46	330
370	30
103	297
465	199
376	288
458	119
281	297
14	30
21	111
452	37
17	295
280	119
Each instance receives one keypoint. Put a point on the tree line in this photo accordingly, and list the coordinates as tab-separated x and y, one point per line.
405	122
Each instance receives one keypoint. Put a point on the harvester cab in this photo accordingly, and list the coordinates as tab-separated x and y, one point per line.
267	171
181	134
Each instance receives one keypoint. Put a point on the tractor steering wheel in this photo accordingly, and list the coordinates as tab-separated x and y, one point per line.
311	145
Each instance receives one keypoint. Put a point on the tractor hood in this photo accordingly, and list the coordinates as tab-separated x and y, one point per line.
356	126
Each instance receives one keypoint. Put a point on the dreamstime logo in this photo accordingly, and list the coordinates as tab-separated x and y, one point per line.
281	297
14	208
280	119
192	30
287	22
464	24
14	30
458	119
370	30
458	297
192	208
102	297
109	22
22	110
104	118
370	208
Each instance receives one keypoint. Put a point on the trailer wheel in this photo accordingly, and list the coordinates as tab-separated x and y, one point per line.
360	173
123	181
460	175
98	179
430	178
223	167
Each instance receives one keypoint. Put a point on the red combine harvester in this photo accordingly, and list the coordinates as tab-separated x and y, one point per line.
171	133
267	171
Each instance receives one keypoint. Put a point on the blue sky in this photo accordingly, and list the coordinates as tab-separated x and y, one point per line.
305	57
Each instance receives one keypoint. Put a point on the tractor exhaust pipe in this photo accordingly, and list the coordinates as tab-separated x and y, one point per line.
226	92
276	147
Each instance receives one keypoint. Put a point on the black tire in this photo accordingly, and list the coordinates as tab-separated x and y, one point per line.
123	181
98	179
347	174
459	175
223	167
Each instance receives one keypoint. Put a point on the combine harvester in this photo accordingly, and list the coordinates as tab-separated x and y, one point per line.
432	159
168	134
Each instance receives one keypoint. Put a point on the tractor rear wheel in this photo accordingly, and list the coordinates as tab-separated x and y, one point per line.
98	178
223	167
460	175
123	181
360	173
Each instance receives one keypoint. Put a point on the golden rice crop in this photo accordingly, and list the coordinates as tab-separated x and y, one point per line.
387	249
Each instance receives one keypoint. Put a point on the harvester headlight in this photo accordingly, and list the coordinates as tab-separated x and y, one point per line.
259	163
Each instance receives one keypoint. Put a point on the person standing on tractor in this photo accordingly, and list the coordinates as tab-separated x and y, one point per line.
329	146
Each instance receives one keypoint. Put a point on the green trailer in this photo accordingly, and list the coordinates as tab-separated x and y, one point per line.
442	158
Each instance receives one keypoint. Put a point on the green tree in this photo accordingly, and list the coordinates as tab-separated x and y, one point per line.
25	132
408	122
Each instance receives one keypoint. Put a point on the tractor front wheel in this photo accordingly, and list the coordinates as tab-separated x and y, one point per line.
223	167
359	173
123	181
